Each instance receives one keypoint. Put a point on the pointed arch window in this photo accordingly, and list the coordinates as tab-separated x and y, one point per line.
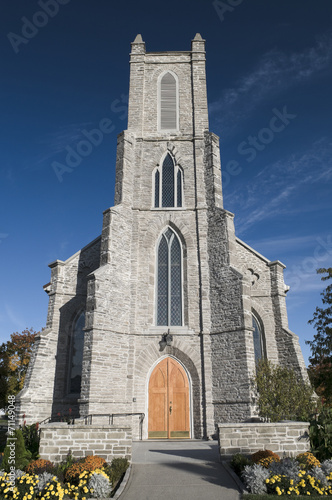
168	102
258	337
76	355
168	184
169	280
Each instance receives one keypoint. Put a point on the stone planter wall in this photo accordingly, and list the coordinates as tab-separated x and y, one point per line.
103	440
285	438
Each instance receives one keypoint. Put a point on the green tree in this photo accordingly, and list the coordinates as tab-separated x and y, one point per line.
15	454
14	360
320	369
281	394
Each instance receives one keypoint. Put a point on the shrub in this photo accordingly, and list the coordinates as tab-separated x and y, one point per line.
31	439
39	466
287	478
260	454
90	484
49	487
286	467
43	479
307	460
99	484
25	486
319	474
88	464
61	468
254	477
279	484
281	393
267	461
21	455
118	468
306	484
320	434
326	467
239	462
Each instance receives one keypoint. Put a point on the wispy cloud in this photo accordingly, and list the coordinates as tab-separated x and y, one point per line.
53	144
274	73
17	322
292	243
272	189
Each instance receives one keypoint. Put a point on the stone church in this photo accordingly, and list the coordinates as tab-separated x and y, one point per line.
166	313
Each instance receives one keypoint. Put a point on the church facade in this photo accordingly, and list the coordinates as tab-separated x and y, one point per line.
167	312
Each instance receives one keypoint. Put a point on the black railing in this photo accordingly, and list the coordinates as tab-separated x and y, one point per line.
59	418
88	419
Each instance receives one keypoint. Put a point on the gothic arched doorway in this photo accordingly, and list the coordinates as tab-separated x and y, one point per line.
169	409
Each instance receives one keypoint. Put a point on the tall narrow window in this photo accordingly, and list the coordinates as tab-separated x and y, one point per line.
258	339
169	280
168	102
76	355
156	188
168	184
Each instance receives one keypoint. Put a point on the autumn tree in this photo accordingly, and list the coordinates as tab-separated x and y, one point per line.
281	393
320	369
14	360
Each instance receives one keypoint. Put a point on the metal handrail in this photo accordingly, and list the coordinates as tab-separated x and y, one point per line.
88	418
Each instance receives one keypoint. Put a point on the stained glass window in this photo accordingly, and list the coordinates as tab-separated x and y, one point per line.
179	188
163	282
156	188
258	339
169	280
76	355
168	181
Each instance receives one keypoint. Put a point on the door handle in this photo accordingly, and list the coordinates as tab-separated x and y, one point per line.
170	408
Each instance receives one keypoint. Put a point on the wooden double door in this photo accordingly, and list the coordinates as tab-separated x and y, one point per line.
169	413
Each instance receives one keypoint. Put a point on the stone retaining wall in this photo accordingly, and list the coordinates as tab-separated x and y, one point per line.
285	438
103	440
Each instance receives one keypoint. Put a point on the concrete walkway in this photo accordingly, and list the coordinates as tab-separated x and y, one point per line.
183	470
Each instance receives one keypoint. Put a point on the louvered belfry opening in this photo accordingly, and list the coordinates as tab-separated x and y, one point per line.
169	286
168	108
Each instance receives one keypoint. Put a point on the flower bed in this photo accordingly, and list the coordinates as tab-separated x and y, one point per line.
86	480
265	473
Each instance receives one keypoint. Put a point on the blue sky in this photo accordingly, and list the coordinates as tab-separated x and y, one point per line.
269	89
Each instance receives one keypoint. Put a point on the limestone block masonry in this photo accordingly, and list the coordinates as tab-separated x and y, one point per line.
220	304
82	440
285	438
